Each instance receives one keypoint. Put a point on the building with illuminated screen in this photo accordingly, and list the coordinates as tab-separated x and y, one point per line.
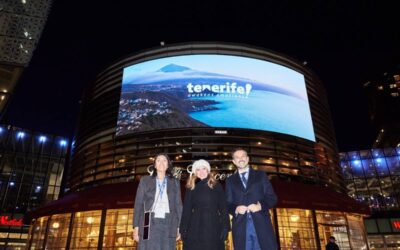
201	100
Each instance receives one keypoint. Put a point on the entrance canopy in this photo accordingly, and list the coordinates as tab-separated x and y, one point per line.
122	195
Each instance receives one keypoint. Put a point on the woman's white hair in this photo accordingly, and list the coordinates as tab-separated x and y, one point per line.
199	164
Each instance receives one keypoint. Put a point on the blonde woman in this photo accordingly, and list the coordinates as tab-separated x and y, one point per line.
205	221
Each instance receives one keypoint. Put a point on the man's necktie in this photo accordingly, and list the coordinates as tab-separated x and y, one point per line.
244	179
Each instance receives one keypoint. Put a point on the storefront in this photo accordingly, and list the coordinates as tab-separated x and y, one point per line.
304	218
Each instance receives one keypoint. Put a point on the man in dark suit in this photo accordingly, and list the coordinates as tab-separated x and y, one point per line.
249	197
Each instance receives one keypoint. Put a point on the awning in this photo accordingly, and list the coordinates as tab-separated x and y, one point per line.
122	195
308	196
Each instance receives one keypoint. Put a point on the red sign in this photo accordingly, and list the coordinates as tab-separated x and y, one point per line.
396	224
5	221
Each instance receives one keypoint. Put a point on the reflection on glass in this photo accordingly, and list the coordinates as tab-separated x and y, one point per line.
118	231
356	232
58	231
296	229
85	234
333	224
38	230
373	177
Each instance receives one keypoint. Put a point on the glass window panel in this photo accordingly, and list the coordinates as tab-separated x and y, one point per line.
296	230
377	153
381	166
389	151
384	225
333	224
365	154
58	231
357	169
347	174
394	165
371	226
356	232
392	241
354	155
376	242
52	180
14	235
118	231
86	228
369	168
361	187
38	232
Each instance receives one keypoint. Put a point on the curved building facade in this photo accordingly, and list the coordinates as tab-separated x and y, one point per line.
202	100
102	157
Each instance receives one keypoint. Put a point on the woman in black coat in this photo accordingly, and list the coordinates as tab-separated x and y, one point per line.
205	220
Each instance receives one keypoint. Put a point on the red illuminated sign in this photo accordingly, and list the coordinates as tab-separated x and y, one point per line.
5	221
396	224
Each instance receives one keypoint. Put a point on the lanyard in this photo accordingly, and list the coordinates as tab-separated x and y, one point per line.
161	186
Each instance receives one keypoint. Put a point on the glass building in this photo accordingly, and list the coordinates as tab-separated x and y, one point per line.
121	129
373	176
31	168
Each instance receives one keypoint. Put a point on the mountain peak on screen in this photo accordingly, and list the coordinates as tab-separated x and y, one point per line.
173	68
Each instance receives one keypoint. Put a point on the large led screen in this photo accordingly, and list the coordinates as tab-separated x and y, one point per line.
213	91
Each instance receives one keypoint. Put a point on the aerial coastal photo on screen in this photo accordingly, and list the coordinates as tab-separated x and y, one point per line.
213	91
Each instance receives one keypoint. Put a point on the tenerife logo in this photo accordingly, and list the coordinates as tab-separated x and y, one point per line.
227	89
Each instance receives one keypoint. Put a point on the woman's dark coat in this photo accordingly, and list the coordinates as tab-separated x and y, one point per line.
205	220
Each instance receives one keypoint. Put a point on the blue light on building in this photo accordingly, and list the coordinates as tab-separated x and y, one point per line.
63	143
42	139
20	135
371	172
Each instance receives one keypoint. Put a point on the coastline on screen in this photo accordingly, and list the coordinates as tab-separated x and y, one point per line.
213	91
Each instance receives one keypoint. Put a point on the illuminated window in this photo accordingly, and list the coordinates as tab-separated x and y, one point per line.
392	86
14	235
85	231
296	230
333	224
392	241
380	87
357	232
58	231
376	242
118	231
38	230
394	94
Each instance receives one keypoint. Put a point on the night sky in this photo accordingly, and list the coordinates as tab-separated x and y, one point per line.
346	43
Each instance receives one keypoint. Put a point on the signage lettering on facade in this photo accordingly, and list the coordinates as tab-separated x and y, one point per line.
6	221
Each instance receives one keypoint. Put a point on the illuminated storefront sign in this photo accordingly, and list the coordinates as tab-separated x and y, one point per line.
396	224
6	221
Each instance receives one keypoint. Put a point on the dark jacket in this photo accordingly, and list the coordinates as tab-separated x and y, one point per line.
258	189
205	220
144	200
332	246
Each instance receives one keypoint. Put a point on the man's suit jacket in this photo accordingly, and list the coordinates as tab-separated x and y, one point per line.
258	189
144	200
